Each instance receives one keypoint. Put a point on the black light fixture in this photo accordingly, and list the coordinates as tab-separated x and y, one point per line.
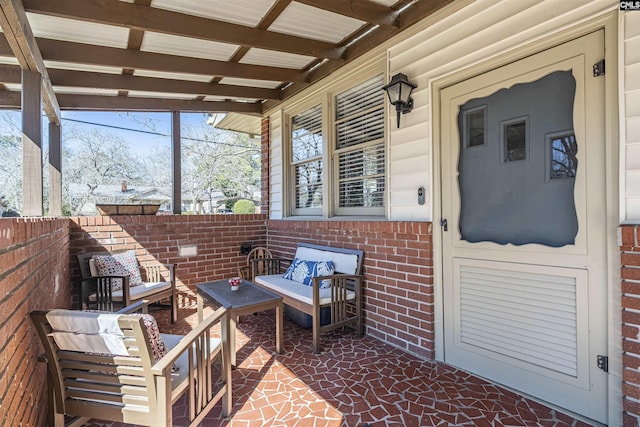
399	91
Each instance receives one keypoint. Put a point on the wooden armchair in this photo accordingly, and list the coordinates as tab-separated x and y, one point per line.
109	291
255	265
108	366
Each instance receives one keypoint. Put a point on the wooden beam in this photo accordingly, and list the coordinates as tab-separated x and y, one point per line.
10	74
133	16
363	10
55	170
55	50
32	144
121	103
17	31
10	100
176	163
151	84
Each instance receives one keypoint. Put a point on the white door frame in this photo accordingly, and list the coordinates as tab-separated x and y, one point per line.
609	23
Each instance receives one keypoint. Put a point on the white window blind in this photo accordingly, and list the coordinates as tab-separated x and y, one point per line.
306	161
359	149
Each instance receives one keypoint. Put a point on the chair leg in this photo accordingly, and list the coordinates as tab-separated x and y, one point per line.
315	321
174	308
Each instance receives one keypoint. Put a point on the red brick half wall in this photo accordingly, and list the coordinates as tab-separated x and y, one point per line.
34	275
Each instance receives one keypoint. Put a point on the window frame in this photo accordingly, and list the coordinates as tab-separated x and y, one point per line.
330	154
291	164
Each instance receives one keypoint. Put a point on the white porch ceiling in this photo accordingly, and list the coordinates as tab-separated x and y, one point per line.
208	55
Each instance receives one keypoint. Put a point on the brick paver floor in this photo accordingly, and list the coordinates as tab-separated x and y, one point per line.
354	381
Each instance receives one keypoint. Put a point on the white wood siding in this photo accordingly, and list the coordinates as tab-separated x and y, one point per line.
275	162
458	37
471	35
630	115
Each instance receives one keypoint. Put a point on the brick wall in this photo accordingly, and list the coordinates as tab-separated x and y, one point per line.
398	269
630	253
34	275
217	238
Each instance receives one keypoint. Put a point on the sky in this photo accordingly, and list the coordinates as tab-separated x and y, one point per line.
129	126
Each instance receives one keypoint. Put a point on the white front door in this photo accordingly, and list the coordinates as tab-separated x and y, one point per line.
523	209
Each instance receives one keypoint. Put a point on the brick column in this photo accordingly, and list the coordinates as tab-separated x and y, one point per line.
630	253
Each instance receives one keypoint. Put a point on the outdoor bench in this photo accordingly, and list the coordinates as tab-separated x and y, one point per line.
329	301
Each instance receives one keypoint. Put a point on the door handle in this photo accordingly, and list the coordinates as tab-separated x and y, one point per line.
444	225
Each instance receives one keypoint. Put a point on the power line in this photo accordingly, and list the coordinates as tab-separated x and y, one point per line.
149	132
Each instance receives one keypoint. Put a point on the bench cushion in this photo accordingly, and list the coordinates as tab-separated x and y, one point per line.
138	292
342	263
295	290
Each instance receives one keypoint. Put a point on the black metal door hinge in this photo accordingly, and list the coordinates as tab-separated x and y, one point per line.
598	68
603	362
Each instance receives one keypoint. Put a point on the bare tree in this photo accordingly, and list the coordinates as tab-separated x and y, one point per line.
97	157
11	164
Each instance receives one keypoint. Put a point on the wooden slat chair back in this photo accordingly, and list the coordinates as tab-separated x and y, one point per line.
255	265
96	292
112	375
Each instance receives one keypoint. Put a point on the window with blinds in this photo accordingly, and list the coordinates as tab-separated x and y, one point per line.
359	149
306	161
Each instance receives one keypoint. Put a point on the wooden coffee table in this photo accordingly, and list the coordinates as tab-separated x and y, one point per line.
248	299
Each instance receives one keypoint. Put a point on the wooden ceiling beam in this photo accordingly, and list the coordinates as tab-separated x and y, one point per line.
151	84
10	74
19	36
121	103
137	17
55	50
12	100
363	10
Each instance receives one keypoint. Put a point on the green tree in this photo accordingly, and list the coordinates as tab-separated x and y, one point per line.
244	206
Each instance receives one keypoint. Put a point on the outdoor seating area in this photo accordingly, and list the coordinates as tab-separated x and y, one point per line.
355	381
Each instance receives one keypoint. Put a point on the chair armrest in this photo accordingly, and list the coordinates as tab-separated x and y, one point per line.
352	282
135	307
163	366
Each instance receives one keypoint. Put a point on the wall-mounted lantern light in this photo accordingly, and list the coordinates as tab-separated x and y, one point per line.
399	91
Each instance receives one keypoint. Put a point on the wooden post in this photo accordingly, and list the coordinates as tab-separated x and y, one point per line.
31	144
176	162
55	170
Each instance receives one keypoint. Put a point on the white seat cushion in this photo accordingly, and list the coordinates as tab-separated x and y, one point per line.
140	291
342	263
181	371
295	290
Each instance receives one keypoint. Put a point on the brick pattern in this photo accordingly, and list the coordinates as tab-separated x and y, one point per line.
398	269
266	166
34	275
630	260
158	238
